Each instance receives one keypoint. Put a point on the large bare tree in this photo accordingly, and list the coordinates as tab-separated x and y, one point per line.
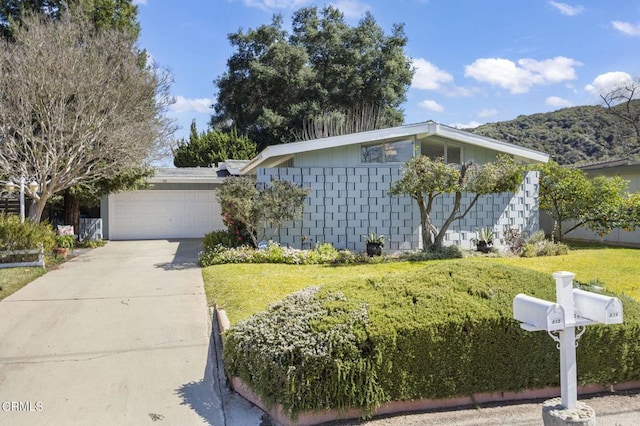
76	106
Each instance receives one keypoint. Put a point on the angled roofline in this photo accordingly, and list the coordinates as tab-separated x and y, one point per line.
185	175
429	128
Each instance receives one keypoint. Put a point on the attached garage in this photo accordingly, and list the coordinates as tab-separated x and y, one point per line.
179	203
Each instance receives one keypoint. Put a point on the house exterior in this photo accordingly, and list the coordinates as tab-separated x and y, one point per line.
350	176
626	169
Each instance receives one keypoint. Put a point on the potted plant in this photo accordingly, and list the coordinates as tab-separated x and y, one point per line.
484	240
64	243
375	243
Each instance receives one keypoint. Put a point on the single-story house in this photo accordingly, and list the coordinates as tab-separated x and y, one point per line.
627	169
349	177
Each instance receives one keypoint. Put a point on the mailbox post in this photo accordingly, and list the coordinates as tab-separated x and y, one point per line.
573	308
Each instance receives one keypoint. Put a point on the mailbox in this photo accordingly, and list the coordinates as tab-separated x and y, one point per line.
538	314
597	307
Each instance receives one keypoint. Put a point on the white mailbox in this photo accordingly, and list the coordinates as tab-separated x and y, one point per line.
597	307
538	314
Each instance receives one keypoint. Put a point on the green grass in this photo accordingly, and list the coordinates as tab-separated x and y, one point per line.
244	290
13	279
617	269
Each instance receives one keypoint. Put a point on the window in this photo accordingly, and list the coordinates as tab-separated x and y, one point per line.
438	149
390	152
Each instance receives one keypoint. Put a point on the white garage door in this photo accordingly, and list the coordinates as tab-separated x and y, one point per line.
163	214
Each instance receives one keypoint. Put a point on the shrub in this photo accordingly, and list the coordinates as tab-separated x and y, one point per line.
537	245
433	253
442	331
224	238
65	241
515	239
91	243
323	253
29	235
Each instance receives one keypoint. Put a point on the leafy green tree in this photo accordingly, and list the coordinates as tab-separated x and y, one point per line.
115	14
213	146
425	179
631	212
276	81
567	194
255	209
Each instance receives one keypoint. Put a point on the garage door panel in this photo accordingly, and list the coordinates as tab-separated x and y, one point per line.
157	214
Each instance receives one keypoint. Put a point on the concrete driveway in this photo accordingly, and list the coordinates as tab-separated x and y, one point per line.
117	336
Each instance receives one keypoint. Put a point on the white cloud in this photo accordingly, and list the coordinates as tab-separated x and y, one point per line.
487	112
627	27
567	9
201	105
428	76
605	83
351	8
275	4
143	2
520	77
469	125
431	106
556	101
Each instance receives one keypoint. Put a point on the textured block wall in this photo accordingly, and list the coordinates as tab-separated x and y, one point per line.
347	203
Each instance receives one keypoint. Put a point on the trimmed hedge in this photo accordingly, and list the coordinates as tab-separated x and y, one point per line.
446	330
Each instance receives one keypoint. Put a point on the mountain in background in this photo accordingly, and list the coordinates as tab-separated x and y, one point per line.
570	135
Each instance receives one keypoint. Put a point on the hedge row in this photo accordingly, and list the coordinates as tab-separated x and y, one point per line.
446	330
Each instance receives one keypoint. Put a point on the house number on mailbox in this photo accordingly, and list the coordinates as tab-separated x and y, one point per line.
574	308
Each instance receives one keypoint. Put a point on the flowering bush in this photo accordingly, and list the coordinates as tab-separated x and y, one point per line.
323	253
314	345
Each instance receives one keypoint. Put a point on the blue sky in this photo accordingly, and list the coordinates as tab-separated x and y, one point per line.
476	61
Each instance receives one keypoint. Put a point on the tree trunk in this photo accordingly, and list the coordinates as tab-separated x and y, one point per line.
72	211
36	208
425	221
454	212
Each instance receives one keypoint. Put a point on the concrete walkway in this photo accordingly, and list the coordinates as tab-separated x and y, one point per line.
120	335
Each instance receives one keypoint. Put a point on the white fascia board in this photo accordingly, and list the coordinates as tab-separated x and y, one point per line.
493	144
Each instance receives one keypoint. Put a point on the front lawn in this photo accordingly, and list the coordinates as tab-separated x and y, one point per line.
442	330
245	289
615	268
13	279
